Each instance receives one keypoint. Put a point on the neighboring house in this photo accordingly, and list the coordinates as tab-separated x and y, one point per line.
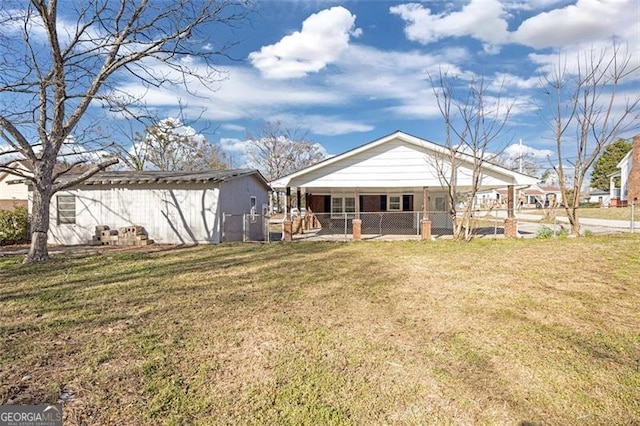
173	207
393	174
600	196
13	189
629	189
534	196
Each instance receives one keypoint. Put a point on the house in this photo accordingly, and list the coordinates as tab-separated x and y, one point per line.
13	189
599	196
172	207
533	197
395	175
628	190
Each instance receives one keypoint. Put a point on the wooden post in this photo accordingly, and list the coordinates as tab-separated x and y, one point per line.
510	201
356	222
297	223
356	195
511	223
425	223
286	224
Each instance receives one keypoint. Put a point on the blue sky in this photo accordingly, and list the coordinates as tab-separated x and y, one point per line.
352	71
349	72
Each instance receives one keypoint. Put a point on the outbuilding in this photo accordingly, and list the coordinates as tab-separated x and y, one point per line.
172	207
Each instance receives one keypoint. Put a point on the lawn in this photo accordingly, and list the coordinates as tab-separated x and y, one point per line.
617	213
514	332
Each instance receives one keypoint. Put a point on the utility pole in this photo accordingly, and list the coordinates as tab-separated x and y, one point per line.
521	155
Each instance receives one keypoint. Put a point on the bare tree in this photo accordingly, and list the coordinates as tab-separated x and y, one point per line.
474	126
171	145
54	69
587	112
278	151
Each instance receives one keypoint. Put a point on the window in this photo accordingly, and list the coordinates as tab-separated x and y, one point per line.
66	209
336	205
440	204
394	203
350	206
342	205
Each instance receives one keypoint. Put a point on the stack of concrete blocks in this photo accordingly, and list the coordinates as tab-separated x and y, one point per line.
104	236
125	236
133	236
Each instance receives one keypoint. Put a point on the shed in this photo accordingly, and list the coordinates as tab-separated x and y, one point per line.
173	207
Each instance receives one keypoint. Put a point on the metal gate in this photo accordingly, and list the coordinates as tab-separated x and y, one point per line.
244	227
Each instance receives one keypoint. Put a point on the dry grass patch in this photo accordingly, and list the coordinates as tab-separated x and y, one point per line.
488	332
613	213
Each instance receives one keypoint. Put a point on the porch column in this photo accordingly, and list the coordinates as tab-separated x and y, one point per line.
287	228
297	222
511	223
425	223
357	223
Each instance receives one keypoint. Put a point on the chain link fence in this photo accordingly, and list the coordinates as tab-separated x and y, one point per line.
480	223
376	223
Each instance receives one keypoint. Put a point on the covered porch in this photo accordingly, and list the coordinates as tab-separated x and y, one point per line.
393	185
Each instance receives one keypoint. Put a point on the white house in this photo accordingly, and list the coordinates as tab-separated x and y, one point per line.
13	189
534	196
629	174
173	207
396	173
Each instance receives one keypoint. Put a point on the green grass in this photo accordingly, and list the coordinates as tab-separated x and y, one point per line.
617	213
488	332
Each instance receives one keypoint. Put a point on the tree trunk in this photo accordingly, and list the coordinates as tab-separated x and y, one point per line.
39	225
574	221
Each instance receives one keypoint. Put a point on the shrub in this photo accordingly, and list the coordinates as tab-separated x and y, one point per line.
14	225
545	232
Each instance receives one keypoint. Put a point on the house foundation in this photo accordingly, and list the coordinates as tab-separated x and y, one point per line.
357	229
287	231
511	227
425	229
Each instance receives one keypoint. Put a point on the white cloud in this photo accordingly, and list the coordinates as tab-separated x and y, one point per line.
324	37
581	23
481	19
528	5
234	145
515	151
506	81
233	127
242	95
325	125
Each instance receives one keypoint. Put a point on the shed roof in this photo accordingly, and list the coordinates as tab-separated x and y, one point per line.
151	177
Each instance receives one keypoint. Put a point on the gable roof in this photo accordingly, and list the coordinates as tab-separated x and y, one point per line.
152	177
422	144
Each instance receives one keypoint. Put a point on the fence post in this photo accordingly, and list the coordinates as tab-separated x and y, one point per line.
633	217
222	234
345	225
244	228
